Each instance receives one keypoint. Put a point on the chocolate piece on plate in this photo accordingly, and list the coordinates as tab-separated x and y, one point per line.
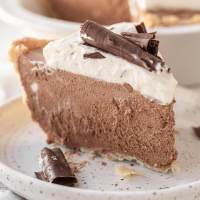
55	168
197	131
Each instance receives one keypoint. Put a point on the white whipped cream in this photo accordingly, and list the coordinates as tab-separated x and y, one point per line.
67	54
169	4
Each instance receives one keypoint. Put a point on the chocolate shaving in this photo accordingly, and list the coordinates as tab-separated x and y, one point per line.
55	168
102	38
197	131
144	40
95	55
140	40
137	36
141	28
152	47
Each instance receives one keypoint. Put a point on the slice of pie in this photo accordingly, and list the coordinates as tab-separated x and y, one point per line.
104	89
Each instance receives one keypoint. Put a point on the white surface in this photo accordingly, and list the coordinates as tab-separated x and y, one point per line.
68	54
169	4
20	147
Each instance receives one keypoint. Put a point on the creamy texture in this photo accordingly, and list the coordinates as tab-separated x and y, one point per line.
67	54
169	4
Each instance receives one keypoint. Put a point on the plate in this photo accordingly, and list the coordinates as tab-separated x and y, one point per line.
21	141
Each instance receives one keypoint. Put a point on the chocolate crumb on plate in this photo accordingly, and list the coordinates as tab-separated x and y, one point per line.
55	168
103	163
95	55
197	131
76	167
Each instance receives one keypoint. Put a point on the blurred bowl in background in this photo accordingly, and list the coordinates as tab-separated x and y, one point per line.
180	45
32	18
182	52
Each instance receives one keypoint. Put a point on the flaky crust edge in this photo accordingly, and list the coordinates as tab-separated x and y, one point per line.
23	46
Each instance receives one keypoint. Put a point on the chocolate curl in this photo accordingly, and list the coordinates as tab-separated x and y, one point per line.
102	38
152	47
141	28
144	40
55	168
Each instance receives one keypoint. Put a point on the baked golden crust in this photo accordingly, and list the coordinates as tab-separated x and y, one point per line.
23	46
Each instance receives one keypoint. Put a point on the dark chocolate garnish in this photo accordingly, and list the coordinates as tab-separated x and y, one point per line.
95	55
102	38
141	28
55	168
137	36
152	47
144	40
197	131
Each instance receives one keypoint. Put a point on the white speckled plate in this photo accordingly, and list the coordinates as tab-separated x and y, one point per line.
21	141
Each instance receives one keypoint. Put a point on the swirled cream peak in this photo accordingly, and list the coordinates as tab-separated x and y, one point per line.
169	4
68	54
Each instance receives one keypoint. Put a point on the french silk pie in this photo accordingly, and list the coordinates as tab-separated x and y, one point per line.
103	89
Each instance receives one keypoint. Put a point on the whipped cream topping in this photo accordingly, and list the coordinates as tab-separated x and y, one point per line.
169	4
68	54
